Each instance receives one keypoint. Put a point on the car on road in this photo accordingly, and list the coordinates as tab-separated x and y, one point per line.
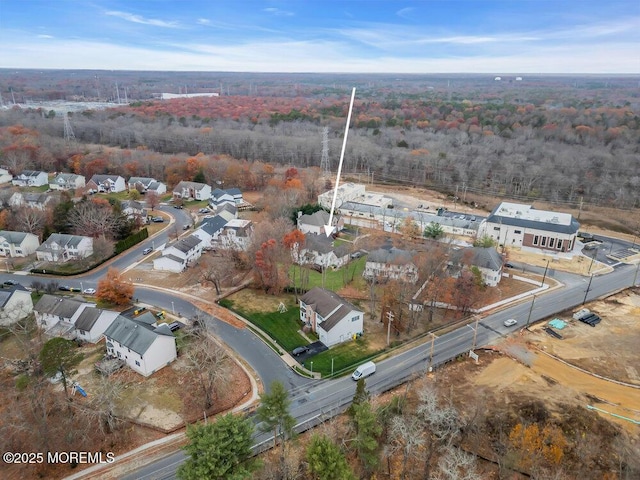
10	283
89	291
186	227
299	350
147	251
510	323
179	207
157	219
509	265
67	288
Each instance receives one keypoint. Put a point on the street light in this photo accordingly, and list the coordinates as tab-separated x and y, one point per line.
332	366
81	287
173	308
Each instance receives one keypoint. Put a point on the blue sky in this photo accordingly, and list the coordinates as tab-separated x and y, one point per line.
377	36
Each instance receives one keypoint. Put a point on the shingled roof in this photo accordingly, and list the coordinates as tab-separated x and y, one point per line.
137	336
329	305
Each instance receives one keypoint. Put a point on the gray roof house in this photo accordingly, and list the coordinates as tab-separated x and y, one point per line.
144	348
60	247
107	184
92	323
17	244
177	257
15	304
315	222
321	250
67	181
334	319
391	263
147	184
60	313
35	200
486	259
31	178
193	190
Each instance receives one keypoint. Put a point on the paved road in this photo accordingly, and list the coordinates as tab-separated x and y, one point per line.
321	400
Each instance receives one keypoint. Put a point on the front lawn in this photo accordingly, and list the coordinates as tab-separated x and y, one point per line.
345	356
334	279
282	327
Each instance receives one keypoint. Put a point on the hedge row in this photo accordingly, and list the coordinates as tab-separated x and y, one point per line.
131	240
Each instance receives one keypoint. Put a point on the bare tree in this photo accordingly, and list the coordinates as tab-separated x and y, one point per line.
93	219
217	270
104	403
31	220
152	199
456	464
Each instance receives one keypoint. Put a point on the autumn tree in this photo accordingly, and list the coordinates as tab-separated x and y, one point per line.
152	199
93	218
114	288
220	450
409	228
537	447
294	242
60	356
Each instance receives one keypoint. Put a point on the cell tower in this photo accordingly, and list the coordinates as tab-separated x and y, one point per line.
69	137
324	162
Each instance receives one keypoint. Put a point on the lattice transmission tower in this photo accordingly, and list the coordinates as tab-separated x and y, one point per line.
324	162
69	136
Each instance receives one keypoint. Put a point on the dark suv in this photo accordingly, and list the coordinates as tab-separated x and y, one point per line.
299	351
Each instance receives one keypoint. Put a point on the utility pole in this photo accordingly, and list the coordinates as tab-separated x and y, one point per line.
433	341
589	287
635	277
580	208
324	162
475	333
389	320
530	310
545	275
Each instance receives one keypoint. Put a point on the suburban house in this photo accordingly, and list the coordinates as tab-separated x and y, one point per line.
132	209
228	212
17	244
192	190
106	184
219	198
330	316
67	181
180	255
92	323
35	200
315	223
51	311
486	259
391	263
236	234
321	250
60	247
31	178
518	225
5	176
147	184
15	304
143	347
210	229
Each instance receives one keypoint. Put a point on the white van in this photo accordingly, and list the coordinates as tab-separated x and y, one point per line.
364	371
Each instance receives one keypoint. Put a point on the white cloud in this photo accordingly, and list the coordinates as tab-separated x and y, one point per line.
277	12
42	35
130	17
204	21
405	12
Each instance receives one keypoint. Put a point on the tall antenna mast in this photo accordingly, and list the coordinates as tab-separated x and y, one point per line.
69	137
324	162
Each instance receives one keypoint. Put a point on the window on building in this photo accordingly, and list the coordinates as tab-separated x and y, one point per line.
496	229
137	363
517	232
559	245
543	242
536	239
355	319
552	242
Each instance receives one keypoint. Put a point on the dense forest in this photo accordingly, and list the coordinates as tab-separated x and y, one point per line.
552	139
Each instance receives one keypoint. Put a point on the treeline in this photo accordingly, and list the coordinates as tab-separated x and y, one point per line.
586	151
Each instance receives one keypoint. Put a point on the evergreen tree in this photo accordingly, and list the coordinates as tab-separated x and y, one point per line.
367	430
326	460
220	450
361	395
274	415
60	356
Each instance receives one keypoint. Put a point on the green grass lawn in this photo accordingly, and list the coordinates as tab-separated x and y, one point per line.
334	279
345	357
282	327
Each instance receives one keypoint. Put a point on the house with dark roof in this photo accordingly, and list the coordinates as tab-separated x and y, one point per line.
209	230
15	304
30	178
52	310
143	347
17	244
334	319
92	323
107	184
486	259
178	256
219	198
315	222
192	190
147	184
132	209
518	225
67	181
391	263
60	247
236	234
322	250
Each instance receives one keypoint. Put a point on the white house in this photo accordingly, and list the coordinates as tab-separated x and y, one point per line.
15	304
60	247
31	178
147	184
192	190
391	263
107	184
209	230
177	257
132	209
92	322
486	259
219	198
36	200
236	234
52	310
143	347
228	212
5	176
17	244
321	250
334	319
517	225
67	181
315	222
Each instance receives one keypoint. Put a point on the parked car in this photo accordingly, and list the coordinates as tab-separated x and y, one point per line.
186	227
9	283
509	265
510	323
89	291
299	350
147	251
157	219
67	288
173	326
356	254
179	207
203	210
